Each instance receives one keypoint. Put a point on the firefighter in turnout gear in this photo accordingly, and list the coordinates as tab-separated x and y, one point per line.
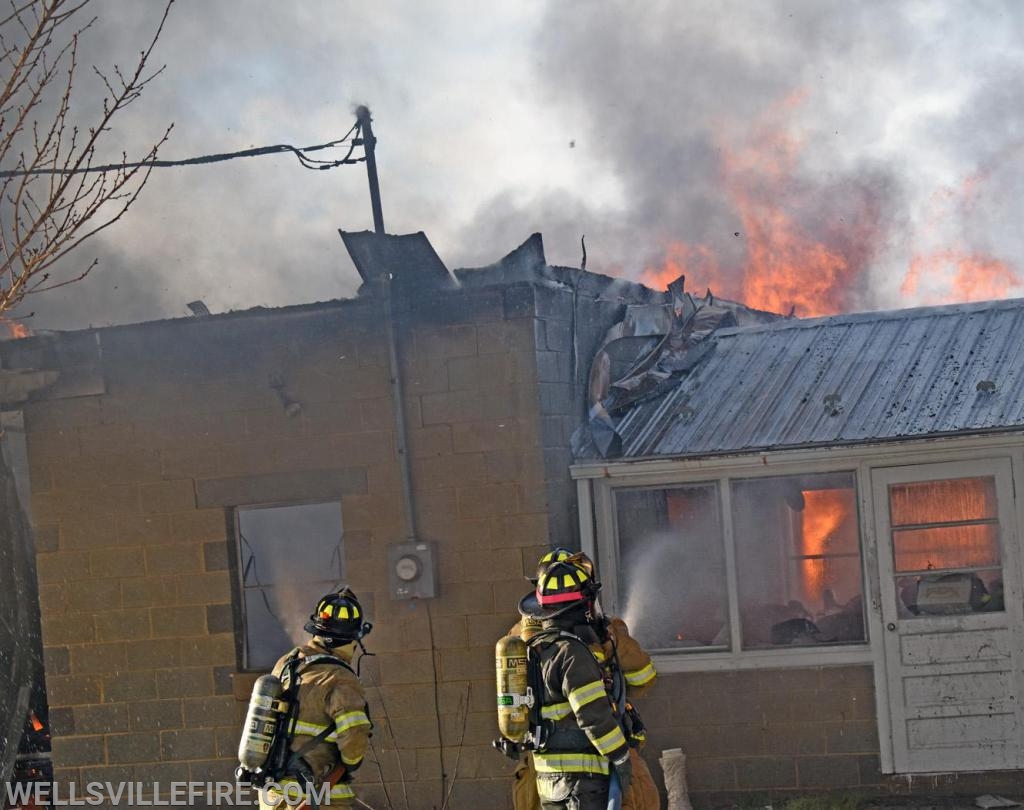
584	746
616	650
332	726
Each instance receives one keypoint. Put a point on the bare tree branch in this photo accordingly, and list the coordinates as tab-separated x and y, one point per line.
55	206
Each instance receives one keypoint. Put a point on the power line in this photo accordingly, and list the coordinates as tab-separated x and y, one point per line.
300	152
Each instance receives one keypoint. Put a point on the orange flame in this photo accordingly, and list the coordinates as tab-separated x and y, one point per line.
945	524
962	276
787	266
825	512
12	330
798	257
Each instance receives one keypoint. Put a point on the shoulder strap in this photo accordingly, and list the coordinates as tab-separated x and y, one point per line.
297	763
324	658
294	666
542	637
552	635
313	743
289	670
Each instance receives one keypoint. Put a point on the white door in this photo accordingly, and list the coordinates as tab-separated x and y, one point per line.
951	615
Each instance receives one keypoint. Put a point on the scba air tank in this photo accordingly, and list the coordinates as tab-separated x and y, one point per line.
514	694
266	710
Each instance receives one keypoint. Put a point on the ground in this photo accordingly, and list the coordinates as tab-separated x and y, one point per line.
852	802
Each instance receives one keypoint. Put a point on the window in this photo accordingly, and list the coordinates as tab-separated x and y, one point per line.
288	557
797	578
798	561
673	564
945	537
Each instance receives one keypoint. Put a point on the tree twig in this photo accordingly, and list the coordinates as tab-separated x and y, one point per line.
56	205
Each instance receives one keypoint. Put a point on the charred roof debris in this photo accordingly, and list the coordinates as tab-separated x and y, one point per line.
755	382
647	353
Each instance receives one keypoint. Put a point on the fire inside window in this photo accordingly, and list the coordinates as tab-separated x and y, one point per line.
289	556
946	547
796	543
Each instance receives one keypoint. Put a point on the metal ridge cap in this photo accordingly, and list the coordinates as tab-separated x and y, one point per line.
873	315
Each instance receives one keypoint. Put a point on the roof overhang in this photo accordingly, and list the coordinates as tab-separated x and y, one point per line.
912	450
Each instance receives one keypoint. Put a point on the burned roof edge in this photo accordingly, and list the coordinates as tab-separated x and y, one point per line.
599	468
875	315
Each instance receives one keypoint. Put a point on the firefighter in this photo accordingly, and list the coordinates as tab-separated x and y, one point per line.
333	726
616	649
584	743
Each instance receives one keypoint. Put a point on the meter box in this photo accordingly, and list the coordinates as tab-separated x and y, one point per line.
412	570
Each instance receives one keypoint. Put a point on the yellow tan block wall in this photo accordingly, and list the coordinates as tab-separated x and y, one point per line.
136	590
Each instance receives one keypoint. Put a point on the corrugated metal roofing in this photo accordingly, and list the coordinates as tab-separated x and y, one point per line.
844	379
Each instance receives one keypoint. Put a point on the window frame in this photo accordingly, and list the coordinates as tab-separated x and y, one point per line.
595	480
604	530
241	589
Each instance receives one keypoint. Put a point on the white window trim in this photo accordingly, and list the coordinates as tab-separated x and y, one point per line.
696	660
596	484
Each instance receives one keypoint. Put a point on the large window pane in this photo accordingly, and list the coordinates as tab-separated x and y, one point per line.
947	534
798	561
673	588
923	502
289	556
971	546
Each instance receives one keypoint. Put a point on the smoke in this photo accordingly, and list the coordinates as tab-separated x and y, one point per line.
789	153
674	591
291	555
646	610
836	141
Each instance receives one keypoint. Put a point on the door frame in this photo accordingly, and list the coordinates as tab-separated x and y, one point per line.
891	671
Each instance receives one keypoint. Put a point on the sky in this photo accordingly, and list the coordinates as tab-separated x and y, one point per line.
819	155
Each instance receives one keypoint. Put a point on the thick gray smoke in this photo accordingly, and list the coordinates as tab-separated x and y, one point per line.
880	131
890	109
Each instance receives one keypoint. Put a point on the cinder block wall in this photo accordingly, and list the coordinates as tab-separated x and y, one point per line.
768	732
132	497
756	736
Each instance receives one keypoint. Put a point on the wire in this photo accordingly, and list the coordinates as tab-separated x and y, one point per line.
394	743
437	705
464	707
250	565
300	152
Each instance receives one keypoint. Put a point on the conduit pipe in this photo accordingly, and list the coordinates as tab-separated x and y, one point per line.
385	289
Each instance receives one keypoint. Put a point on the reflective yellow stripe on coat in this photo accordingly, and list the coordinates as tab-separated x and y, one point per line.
640	677
570	763
312	729
343	722
556	711
609	742
588	693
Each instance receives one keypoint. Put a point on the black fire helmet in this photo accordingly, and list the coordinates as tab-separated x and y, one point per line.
339	618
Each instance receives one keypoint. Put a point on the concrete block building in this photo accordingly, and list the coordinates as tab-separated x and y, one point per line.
197	483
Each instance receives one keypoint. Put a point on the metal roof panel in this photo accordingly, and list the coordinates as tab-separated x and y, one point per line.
843	379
